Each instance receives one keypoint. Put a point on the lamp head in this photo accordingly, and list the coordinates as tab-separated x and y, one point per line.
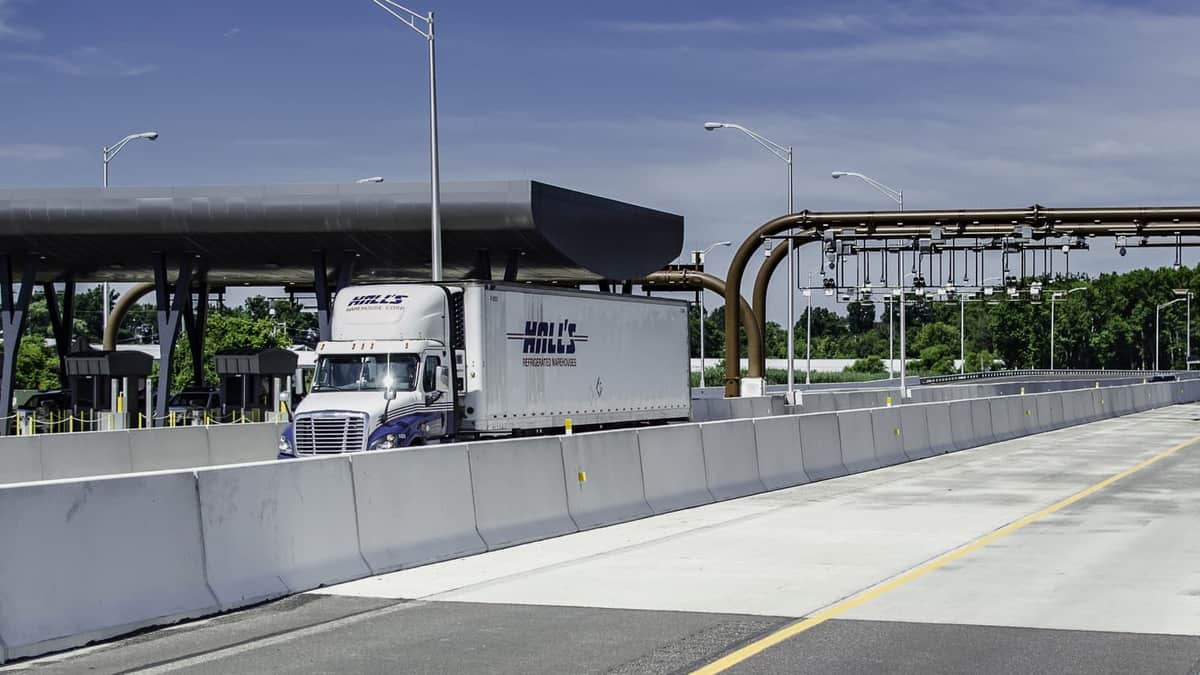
149	135
838	174
713	126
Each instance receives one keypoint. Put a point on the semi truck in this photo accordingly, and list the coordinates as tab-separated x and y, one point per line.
413	364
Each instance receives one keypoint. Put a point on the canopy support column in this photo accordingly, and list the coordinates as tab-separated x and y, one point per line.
195	323
12	320
343	273
62	321
170	310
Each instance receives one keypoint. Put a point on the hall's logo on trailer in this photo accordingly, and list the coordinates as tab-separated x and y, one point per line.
383	300
556	340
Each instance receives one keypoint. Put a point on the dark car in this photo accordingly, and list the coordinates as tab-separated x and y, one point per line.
54	399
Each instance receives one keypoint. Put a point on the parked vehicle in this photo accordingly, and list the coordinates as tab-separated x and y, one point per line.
525	360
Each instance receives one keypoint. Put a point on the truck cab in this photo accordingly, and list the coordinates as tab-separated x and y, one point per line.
384	380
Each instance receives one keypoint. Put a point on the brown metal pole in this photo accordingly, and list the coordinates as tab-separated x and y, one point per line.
754	339
759	297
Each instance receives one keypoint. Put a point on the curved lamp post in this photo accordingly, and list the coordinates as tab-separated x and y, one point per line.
410	18
896	195
698	259
109	153
784	153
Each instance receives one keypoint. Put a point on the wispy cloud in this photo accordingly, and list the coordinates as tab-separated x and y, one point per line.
34	152
231	32
84	62
822	23
9	30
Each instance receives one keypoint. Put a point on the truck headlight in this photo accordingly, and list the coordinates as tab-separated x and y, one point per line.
285	446
386	442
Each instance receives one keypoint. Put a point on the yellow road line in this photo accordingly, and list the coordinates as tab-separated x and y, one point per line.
791	630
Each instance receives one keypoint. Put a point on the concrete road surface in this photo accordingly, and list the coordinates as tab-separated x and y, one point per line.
1075	551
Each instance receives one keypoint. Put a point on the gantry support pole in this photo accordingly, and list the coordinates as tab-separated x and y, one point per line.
761	283
127	300
713	283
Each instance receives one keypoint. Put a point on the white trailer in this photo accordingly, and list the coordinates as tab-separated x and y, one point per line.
526	360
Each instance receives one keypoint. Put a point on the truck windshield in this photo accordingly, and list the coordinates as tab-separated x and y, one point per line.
366	372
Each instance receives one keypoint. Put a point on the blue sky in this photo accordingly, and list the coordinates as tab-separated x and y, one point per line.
960	104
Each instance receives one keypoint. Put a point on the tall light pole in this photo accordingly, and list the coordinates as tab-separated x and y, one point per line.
962	333
1055	297
896	195
784	153
109	153
899	292
1157	311
1184	292
698	260
411	19
808	331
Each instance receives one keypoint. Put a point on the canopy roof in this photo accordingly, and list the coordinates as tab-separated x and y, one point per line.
267	234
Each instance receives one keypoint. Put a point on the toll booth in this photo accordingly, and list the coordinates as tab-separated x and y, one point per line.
109	385
253	379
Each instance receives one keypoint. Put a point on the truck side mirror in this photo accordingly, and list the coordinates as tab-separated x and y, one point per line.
442	375
389	394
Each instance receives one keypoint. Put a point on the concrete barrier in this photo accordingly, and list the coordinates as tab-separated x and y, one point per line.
240	443
414	506
1023	410
520	492
820	439
857	441
1002	419
21	459
730	459
1045	416
962	431
941	434
164	449
780	456
1102	404
673	467
761	407
91	559
982	422
914	425
1058	414
603	474
276	528
86	454
889	436
700	409
741	409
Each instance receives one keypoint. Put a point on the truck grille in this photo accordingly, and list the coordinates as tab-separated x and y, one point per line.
329	434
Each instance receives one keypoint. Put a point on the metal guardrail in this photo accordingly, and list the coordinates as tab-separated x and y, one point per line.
995	374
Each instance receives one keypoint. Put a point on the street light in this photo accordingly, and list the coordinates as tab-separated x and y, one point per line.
1188	294
410	19
109	153
784	153
698	260
896	195
1158	310
1054	298
372	179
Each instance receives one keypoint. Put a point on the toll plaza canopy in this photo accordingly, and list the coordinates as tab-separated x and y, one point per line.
268	234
